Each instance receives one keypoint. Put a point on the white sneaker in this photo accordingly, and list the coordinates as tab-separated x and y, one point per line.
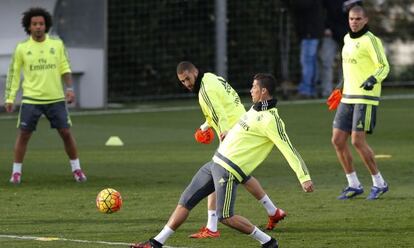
16	178
79	175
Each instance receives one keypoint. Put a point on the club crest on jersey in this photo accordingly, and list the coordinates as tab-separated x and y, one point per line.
52	50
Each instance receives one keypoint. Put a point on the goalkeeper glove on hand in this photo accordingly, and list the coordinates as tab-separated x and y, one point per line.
369	83
334	99
204	137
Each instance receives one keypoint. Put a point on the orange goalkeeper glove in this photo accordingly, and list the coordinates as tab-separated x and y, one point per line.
204	137
334	99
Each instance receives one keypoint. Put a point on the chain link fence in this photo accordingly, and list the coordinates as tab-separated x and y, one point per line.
146	39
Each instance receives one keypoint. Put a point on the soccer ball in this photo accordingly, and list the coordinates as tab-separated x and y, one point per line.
108	201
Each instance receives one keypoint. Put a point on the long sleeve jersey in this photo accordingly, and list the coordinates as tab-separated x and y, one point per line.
219	102
250	141
363	56
43	65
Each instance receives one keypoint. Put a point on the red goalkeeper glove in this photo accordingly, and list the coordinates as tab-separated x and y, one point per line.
204	137
334	99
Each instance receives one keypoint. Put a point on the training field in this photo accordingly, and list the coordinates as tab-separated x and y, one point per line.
158	160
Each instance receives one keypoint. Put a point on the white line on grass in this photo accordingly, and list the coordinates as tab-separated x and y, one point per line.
181	108
70	240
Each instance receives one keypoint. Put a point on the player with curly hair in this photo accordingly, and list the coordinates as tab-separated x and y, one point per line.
45	63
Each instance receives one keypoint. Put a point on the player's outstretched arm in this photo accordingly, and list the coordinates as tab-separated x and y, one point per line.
307	186
276	132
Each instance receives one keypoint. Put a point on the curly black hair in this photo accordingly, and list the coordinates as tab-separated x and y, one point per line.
27	17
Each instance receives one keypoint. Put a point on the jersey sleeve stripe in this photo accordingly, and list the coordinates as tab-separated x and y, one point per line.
284	137
378	53
209	104
280	129
10	78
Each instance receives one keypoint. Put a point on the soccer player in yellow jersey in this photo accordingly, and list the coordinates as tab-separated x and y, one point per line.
222	108
365	66
44	62
245	147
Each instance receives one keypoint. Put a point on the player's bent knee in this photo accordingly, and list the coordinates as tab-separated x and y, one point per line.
64	132
225	220
358	143
338	142
25	134
188	201
184	208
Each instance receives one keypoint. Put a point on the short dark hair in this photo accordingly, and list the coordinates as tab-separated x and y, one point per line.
266	81
347	5
185	66
27	18
358	8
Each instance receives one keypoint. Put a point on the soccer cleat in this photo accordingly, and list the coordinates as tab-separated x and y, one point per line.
16	178
274	219
151	243
271	244
350	192
79	175
204	232
376	192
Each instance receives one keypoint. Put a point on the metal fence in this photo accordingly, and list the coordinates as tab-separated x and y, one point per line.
146	39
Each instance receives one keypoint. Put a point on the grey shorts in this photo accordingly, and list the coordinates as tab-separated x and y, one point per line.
56	113
355	117
209	178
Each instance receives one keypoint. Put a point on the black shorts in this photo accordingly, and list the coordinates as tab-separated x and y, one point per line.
56	113
355	117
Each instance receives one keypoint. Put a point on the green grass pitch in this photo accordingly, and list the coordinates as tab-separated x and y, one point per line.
158	160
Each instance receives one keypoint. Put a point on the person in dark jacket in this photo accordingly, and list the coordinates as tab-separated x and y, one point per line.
336	26
308	18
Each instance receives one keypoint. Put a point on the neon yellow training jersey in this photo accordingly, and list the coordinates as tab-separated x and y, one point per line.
43	65
219	102
250	141
363	57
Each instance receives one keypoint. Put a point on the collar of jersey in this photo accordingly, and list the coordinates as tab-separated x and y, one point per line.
359	33
265	105
32	40
197	83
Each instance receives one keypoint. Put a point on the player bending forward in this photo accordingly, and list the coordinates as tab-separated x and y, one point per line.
245	147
